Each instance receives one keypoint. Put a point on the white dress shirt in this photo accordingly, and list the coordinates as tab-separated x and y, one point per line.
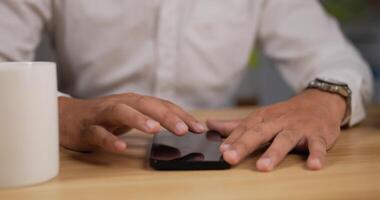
192	52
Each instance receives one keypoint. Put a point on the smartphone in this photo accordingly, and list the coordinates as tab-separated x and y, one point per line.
189	152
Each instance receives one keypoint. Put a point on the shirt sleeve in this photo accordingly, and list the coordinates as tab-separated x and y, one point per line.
22	23
306	43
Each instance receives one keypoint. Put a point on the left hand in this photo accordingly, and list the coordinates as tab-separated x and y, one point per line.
310	121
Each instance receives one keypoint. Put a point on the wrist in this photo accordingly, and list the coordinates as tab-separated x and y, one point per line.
335	103
335	87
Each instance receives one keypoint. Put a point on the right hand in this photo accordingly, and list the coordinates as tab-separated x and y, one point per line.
87	125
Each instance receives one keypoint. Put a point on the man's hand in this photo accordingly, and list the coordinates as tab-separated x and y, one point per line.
87	125
310	121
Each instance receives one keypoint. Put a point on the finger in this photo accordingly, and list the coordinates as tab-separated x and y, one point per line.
128	116
231	129
224	127
283	143
251	139
119	130
161	113
193	124
317	153
226	145
100	137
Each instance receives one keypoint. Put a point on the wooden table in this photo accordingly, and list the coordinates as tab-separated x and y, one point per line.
352	172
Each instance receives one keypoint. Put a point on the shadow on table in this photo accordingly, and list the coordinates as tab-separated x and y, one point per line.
138	147
294	158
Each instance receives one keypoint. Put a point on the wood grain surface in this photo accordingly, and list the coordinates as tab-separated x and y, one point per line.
352	172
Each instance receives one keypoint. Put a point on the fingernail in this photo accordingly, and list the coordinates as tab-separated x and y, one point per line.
119	145
199	127
181	128
232	156
316	163
224	147
150	124
265	163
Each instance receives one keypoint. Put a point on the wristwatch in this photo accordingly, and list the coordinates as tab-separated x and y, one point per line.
335	87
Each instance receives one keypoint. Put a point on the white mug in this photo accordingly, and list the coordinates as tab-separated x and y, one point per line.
29	147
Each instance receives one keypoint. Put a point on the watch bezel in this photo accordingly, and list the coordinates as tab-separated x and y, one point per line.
332	81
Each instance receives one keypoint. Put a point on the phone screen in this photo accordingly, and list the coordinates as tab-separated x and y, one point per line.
189	152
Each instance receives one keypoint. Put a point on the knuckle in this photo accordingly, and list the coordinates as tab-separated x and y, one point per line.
168	116
155	99
327	128
133	117
244	148
243	128
141	100
167	106
289	136
104	140
276	152
104	104
187	119
320	140
261	112
258	130
93	135
269	110
191	118
131	94
92	130
171	106
115	111
129	98
257	117
169	103
118	108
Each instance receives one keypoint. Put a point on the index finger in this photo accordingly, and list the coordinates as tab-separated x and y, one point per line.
250	139
162	113
193	124
127	116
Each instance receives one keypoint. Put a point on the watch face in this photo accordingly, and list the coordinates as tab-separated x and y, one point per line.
332	81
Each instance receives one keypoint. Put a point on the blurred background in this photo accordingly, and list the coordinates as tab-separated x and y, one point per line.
360	21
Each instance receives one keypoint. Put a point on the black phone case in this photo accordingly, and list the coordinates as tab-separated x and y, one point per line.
188	165
170	152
